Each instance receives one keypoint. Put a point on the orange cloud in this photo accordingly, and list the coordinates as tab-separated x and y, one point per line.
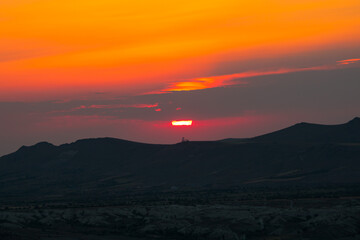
226	80
348	61
120	106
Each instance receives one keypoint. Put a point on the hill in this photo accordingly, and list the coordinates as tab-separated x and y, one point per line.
315	133
304	154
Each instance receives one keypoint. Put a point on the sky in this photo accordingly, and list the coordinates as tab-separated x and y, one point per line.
127	69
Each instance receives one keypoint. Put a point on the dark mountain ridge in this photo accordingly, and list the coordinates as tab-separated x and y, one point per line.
316	133
311	133
304	154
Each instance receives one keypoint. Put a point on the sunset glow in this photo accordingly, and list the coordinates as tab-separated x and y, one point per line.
130	47
134	66
182	123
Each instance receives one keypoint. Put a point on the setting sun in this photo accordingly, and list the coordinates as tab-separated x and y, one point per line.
182	123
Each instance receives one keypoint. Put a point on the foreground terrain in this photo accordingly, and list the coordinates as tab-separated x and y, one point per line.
301	182
221	217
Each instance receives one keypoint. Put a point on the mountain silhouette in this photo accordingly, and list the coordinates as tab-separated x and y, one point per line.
315	133
304	154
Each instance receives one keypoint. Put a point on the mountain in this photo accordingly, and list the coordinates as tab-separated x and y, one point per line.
304	154
315	133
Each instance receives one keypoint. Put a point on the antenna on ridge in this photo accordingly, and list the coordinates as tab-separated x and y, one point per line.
184	140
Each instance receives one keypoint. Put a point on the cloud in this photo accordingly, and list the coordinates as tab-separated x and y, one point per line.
316	96
119	106
108	105
348	61
227	80
265	92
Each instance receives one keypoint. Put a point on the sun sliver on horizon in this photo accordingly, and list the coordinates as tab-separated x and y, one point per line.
177	123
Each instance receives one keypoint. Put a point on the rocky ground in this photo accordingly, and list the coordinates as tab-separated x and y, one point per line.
340	221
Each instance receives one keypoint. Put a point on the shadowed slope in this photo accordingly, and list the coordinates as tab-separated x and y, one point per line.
315	133
106	167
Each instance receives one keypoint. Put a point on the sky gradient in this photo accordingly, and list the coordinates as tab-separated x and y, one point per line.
77	69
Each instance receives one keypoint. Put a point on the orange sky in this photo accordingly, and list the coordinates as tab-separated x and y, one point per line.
135	46
72	69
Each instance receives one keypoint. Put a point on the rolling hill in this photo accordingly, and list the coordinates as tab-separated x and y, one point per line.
304	154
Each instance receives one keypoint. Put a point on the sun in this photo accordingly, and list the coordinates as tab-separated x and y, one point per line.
182	123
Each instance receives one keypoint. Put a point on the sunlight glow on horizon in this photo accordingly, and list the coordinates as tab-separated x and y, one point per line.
153	71
182	123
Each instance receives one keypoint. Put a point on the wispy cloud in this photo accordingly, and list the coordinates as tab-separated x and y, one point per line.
226	80
118	107
104	106
348	61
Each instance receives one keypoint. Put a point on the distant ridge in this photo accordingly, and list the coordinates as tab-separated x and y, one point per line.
311	133
316	133
303	154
